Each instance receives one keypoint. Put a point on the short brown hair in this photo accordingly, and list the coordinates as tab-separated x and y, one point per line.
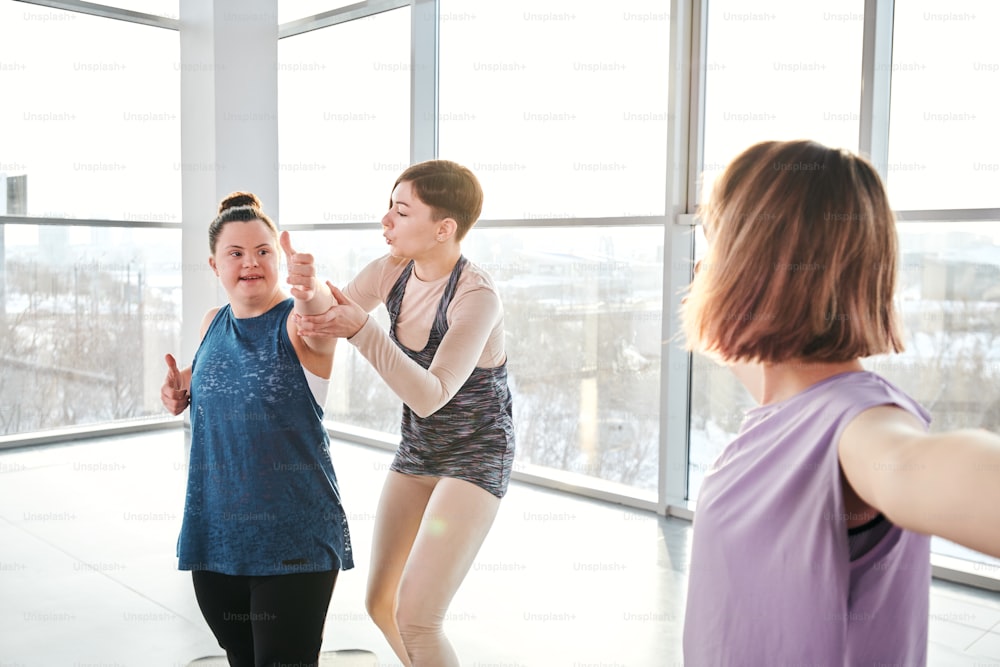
449	189
801	261
238	207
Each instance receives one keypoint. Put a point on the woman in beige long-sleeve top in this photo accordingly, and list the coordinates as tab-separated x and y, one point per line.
444	357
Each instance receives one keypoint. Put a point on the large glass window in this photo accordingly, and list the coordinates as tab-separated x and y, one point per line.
343	118
85	316
90	129
582	310
780	70
944	148
91	118
570	123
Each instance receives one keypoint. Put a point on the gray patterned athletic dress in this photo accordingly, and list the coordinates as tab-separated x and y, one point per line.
472	436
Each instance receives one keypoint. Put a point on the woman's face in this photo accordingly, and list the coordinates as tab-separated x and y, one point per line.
246	261
409	226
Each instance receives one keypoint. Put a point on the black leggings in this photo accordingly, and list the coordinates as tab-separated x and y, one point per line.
266	621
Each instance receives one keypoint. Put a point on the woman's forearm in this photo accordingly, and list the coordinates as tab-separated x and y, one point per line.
422	390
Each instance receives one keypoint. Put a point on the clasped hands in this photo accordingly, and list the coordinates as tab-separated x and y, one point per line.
342	320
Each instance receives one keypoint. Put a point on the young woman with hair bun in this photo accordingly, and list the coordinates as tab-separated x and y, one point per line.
264	532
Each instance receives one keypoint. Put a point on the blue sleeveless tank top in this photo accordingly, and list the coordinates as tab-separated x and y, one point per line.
262	495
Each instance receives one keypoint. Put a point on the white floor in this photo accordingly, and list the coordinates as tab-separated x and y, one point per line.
88	576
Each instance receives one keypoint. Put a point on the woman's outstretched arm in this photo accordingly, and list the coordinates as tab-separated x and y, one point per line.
945	484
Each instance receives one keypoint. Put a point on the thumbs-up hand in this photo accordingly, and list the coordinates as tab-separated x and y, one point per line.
301	270
174	394
343	320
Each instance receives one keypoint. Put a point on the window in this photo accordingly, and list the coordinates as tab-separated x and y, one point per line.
86	315
943	143
582	310
95	127
90	130
779	71
572	122
344	119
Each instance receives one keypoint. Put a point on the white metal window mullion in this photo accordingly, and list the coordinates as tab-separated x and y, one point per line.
684	149
876	83
424	79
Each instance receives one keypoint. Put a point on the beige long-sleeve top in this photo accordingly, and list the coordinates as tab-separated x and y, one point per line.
475	336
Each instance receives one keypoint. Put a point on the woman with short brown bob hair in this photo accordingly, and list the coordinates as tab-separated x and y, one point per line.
802	259
812	536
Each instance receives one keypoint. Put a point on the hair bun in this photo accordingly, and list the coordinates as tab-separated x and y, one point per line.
235	199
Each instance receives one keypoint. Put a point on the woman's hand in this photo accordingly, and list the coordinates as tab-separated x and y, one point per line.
343	320
301	270
174	393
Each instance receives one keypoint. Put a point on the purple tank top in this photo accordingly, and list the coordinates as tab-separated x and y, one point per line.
771	581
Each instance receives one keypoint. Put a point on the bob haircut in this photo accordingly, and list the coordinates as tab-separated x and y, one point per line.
801	263
449	189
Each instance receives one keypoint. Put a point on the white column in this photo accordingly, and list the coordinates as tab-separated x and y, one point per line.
229	132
